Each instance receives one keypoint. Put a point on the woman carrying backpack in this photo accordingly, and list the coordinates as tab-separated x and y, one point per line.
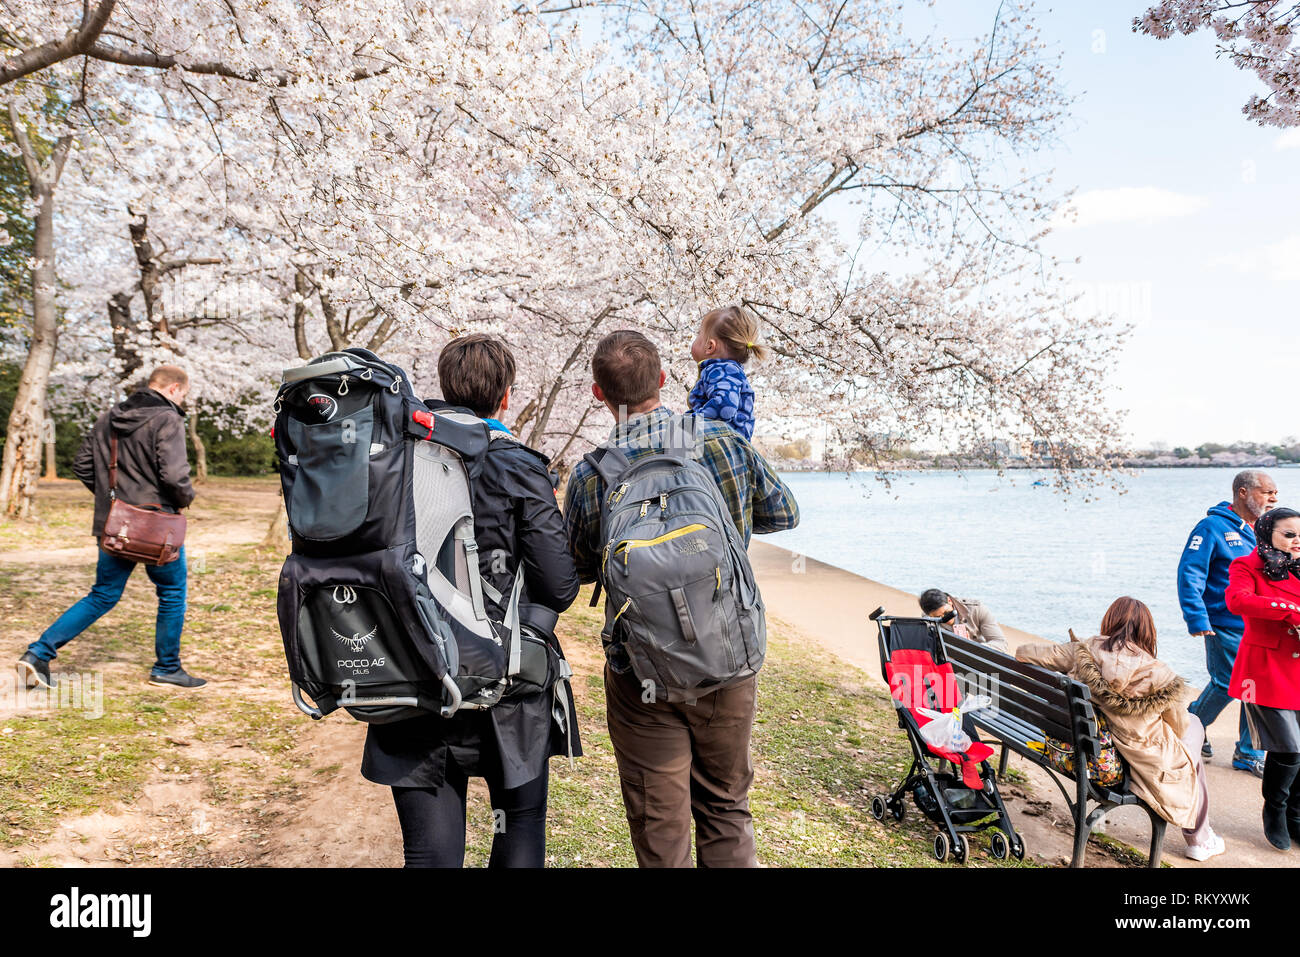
428	760
1143	700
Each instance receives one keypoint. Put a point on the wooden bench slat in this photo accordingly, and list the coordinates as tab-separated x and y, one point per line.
1032	709
1017	674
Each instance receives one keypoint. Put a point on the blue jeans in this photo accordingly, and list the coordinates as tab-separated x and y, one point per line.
110	580
1220	653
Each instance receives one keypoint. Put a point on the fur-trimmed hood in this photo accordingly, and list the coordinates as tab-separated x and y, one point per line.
1128	682
1142	699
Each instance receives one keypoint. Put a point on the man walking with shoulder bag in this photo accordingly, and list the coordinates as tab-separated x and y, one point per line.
661	516
134	461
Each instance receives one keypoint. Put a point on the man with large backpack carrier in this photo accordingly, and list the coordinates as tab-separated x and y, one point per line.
429	566
660	517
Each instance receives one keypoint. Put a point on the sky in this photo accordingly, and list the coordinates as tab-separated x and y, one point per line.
1188	225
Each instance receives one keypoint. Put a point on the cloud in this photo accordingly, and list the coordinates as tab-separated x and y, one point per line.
1279	260
1128	204
1290	140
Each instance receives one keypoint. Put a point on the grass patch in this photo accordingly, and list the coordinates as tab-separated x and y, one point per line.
58	764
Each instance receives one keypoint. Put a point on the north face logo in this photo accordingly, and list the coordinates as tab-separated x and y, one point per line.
692	546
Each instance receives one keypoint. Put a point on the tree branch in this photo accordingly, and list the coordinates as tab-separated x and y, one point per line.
74	43
160	61
30	159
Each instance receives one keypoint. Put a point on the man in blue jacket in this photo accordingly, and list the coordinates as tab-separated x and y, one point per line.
1227	532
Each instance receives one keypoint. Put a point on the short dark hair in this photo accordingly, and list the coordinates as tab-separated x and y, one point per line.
165	376
626	366
932	599
475	371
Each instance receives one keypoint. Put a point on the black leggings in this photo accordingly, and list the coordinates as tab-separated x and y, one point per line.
433	822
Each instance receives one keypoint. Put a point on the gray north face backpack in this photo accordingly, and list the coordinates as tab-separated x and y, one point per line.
680	594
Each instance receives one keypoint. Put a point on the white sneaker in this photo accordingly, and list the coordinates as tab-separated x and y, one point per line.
1203	852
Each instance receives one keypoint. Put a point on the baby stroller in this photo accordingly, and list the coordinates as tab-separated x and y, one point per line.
966	798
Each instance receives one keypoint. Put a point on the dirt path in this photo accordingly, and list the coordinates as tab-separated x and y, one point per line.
226	512
240	777
231	760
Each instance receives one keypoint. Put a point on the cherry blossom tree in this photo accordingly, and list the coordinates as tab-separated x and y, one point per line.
280	179
1258	36
856	187
130	61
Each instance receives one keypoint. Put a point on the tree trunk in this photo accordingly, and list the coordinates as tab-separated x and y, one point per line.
277	533
302	287
126	336
22	452
51	468
200	450
538	434
563	469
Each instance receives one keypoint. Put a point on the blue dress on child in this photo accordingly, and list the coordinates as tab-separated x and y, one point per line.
723	392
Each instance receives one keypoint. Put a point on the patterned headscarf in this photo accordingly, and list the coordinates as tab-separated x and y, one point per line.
1277	563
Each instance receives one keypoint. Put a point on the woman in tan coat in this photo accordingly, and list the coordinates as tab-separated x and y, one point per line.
1144	702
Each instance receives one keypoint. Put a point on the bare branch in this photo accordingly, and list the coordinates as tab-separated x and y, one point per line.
74	43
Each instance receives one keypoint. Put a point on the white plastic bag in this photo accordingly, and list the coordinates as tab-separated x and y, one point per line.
944	731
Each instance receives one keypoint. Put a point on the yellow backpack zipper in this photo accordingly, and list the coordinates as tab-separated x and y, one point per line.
632	543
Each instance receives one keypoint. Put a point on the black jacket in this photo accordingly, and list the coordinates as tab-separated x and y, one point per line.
152	465
516	523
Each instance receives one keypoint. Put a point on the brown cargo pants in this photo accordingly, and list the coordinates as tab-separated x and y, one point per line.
678	761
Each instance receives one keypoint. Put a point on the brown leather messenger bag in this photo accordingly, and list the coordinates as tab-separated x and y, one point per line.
141	533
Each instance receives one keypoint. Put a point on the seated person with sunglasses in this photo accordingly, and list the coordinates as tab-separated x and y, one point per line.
970	619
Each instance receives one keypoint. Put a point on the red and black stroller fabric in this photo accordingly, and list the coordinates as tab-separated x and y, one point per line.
919	684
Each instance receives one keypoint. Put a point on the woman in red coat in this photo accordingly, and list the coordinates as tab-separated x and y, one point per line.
1264	589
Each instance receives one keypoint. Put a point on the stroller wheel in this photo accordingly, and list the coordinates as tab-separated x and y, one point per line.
878	808
1018	848
999	845
941	847
960	849
899	810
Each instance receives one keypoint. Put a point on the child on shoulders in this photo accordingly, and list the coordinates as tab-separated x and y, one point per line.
727	339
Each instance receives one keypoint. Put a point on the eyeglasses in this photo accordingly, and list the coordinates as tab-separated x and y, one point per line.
1289	534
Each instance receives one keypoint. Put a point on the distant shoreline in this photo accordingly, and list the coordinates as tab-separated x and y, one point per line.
912	466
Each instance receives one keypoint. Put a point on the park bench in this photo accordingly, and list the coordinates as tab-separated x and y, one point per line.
1029	701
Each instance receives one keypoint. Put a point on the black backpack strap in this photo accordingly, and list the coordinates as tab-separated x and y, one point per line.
680	442
610	462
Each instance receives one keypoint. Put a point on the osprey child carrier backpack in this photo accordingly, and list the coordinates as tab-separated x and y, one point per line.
381	603
680	595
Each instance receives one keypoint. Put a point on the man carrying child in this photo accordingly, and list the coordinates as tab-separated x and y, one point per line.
676	760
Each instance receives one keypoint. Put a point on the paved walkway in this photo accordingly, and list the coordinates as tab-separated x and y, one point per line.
830	605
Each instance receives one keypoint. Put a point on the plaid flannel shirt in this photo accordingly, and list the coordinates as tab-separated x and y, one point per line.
757	498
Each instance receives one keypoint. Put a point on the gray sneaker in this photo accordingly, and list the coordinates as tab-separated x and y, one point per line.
177	679
33	671
1242	763
1207	752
